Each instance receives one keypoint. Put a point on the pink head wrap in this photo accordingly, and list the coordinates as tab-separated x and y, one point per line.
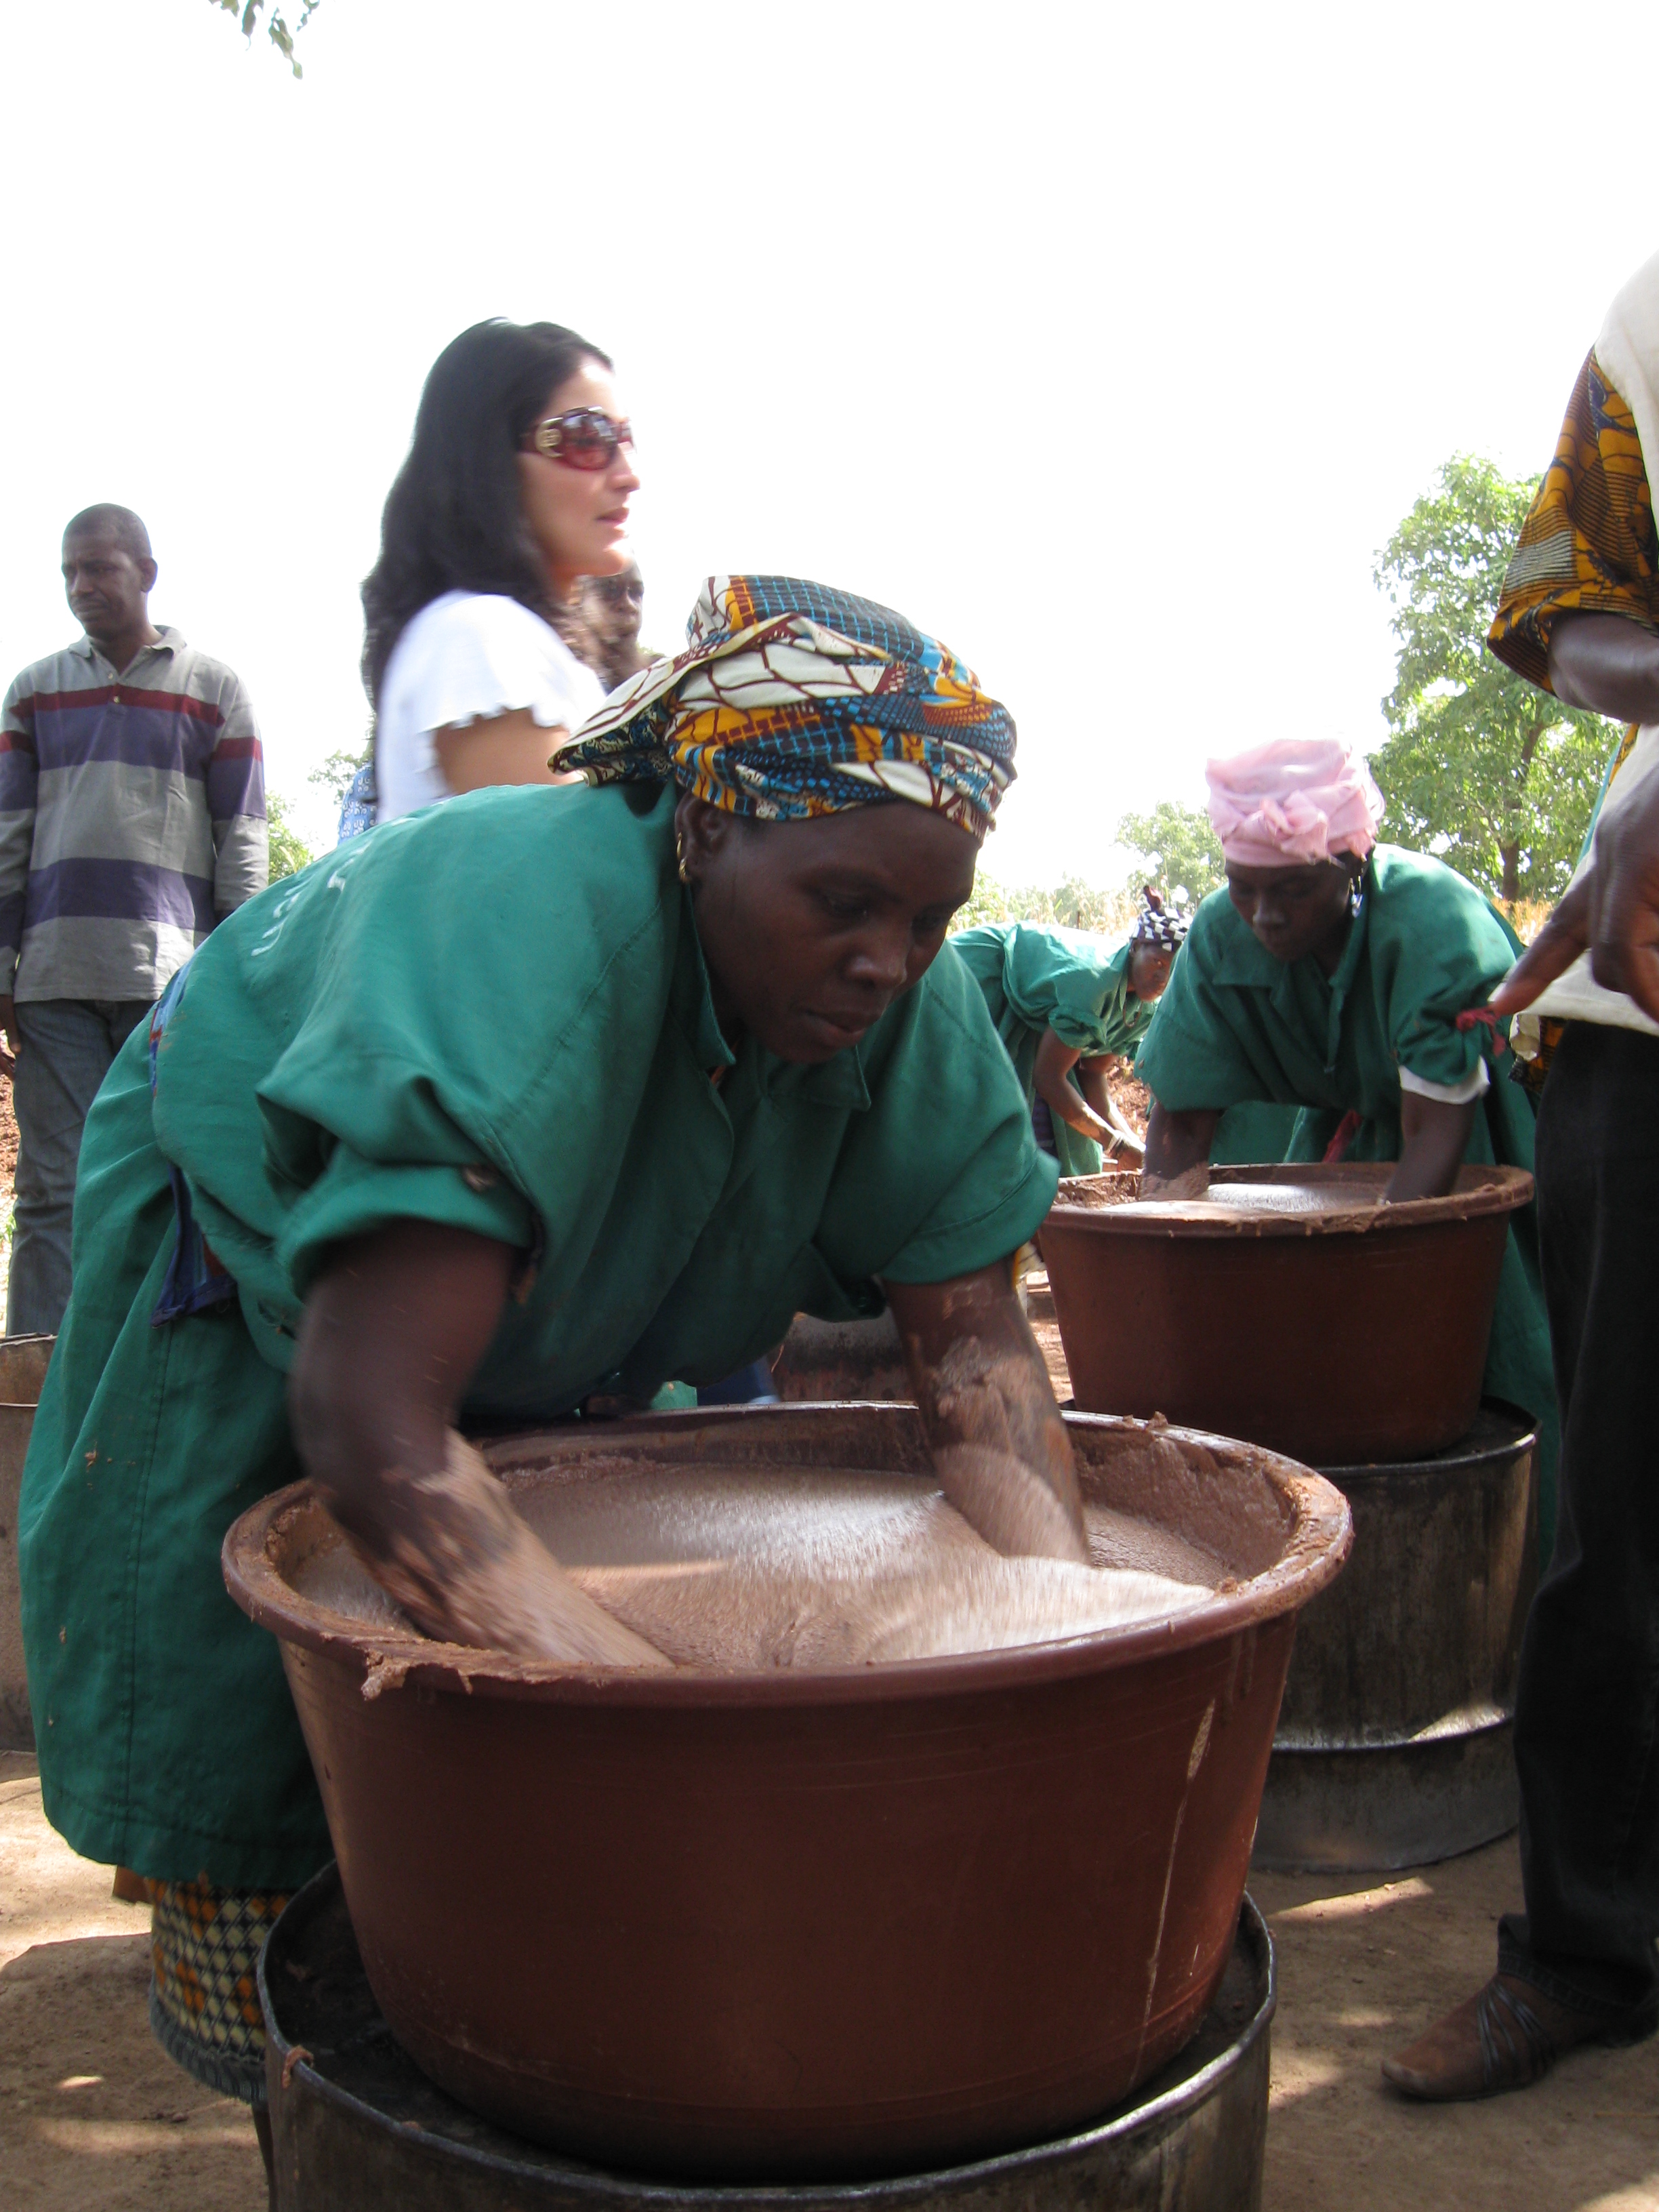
1293	800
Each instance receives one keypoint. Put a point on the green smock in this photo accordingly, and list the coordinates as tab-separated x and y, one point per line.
1035	977
492	1014
1236	1024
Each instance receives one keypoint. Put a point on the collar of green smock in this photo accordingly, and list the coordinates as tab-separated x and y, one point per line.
837	1082
1244	959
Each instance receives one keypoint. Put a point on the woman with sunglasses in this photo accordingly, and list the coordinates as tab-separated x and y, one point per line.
397	1160
516	487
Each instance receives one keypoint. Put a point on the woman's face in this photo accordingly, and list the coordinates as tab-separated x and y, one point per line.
1149	971
812	929
579	517
1297	910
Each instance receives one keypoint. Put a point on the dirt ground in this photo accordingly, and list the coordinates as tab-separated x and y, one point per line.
92	2118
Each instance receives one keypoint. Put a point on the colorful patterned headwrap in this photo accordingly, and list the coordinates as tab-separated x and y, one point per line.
791	699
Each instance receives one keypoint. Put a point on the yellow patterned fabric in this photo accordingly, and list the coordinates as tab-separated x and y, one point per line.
204	1998
1588	544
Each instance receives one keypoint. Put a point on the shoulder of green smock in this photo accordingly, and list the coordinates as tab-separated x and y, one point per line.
373	1038
1433	947
1588	544
1070	980
462	1019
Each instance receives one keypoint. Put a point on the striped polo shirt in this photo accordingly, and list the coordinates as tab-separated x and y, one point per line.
132	817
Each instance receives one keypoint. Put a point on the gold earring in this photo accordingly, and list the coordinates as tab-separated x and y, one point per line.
679	855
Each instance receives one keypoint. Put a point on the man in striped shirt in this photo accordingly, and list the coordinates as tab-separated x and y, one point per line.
133	817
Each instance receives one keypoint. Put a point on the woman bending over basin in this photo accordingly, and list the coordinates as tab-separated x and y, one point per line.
1329	975
1066	1003
514	1109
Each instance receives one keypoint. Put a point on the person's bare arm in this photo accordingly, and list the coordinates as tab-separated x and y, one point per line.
1434	1136
507	749
988	1410
1052	1078
393	1333
1092	1080
1178	1152
1608	663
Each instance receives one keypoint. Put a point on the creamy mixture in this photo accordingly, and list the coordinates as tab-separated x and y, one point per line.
748	1568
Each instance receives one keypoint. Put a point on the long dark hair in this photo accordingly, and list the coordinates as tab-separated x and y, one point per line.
453	520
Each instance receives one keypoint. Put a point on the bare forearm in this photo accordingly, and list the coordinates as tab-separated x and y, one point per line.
1434	1136
1177	1153
988	1410
393	1333
1052	1079
1606	663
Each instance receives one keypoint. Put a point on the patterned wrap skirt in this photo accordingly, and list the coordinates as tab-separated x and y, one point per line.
204	1996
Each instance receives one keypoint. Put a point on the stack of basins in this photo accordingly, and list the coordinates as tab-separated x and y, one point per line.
968	1929
1292	1308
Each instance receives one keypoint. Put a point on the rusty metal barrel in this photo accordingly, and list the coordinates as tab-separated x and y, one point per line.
23	1361
358	2127
1393	1747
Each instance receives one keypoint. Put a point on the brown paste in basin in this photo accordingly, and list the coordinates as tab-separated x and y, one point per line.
746	1568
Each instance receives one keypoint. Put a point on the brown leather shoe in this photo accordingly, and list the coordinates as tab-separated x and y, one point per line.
1503	2038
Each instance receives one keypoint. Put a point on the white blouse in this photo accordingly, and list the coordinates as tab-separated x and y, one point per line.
466	657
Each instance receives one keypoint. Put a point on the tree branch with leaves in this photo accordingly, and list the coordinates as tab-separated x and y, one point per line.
1480	767
278	30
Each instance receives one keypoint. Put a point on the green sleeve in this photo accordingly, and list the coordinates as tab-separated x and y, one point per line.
425	1038
1193	1057
942	1176
1437	949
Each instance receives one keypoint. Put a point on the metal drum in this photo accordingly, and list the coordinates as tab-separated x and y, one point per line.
358	2127
1393	1747
23	1363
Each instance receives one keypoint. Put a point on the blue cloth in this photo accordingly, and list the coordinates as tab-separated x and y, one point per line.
358	806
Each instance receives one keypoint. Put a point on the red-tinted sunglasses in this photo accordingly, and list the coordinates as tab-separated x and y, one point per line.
586	438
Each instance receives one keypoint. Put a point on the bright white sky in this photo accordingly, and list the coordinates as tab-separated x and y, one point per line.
1107	341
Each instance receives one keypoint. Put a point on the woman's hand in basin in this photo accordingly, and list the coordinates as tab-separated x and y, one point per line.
394	1330
988	1410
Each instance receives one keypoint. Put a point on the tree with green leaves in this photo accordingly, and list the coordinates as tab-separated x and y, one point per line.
289	851
1480	766
277	26
1176	848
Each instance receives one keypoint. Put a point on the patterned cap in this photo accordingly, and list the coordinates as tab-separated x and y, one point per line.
791	699
1157	925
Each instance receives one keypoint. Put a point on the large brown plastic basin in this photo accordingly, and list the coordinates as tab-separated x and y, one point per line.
794	1926
1343	1337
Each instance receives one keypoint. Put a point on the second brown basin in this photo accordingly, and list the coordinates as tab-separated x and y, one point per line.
1308	1317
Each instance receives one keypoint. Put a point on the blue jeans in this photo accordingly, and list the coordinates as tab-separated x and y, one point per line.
66	1047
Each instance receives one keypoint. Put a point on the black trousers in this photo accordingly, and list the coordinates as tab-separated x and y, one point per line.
1587	1717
